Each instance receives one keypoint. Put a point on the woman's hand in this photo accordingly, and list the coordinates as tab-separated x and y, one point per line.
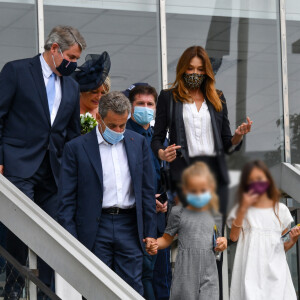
221	244
169	154
241	131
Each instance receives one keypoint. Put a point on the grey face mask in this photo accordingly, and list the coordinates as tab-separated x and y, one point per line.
193	81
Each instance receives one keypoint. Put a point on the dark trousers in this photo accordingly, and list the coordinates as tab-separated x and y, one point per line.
162	276
117	245
147	276
42	189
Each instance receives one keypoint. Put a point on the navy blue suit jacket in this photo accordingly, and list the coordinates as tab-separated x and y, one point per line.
80	189
25	129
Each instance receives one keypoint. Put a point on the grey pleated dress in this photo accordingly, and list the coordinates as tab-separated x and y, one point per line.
195	275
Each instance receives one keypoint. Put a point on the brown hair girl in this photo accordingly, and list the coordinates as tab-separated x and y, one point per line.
272	192
181	92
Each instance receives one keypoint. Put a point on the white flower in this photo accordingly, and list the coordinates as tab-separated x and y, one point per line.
88	115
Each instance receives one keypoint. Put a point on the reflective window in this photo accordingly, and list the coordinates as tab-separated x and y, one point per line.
129	36
293	52
242	39
18	35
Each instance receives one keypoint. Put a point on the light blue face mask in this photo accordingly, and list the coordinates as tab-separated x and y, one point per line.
199	200
111	136
143	115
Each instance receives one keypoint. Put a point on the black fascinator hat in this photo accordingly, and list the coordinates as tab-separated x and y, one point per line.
93	72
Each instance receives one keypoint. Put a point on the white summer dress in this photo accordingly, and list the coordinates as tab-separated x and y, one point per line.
260	270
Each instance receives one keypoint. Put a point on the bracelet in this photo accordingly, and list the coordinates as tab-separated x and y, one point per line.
233	223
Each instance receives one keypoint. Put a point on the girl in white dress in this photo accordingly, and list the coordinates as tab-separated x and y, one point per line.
260	270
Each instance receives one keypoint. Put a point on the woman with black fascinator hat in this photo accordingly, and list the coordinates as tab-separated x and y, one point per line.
93	80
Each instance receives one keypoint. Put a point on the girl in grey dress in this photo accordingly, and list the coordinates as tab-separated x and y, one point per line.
195	276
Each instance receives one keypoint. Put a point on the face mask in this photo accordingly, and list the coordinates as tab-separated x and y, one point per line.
194	80
111	136
143	115
199	200
66	67
259	187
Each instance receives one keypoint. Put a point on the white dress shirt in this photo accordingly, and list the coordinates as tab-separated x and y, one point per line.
117	183
46	73
198	130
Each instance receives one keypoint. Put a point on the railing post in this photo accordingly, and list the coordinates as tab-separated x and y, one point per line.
32	258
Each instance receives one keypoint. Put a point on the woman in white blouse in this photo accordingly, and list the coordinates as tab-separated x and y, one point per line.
196	115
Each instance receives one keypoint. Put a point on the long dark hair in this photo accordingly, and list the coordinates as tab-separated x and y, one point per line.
272	192
181	92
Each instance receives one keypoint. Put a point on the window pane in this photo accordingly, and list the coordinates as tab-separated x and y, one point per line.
129	36
243	41
18	37
293	52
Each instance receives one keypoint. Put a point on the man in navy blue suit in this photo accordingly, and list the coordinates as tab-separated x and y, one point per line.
106	191
39	113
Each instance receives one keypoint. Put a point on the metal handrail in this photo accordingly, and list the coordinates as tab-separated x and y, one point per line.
29	274
59	249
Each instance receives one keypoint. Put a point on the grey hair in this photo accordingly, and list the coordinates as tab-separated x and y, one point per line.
65	37
114	101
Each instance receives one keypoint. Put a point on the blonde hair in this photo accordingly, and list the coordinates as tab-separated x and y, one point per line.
107	84
181	92
201	169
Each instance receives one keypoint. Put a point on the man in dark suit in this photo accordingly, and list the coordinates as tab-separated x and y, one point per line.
39	113
106	191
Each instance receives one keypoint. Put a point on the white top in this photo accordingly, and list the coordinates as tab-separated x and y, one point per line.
46	73
260	269
198	130
117	183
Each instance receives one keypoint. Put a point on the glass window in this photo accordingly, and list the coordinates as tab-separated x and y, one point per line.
18	34
293	53
242	39
127	32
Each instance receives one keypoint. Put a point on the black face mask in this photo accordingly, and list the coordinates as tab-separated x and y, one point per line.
66	67
193	81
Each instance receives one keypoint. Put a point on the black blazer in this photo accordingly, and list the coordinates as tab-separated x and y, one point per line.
25	129
221	131
80	189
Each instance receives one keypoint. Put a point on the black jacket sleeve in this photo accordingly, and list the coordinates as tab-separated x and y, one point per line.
161	122
226	135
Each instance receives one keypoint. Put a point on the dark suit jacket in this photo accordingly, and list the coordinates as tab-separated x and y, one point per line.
221	131
80	189
25	130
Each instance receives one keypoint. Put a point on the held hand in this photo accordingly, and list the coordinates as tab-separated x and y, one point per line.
151	247
249	199
169	154
159	206
294	234
244	128
221	244
1	169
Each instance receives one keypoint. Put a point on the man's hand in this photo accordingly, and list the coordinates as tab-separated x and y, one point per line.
161	207
1	169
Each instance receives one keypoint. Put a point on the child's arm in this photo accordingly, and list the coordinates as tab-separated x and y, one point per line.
165	241
294	235
248	200
161	243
